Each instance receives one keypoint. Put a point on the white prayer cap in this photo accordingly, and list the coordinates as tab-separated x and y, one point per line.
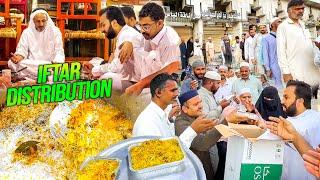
213	75
244	90
244	64
262	24
223	67
209	38
274	19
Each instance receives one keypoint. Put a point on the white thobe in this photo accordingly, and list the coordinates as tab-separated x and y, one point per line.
197	51
308	125
295	52
249	49
224	91
153	121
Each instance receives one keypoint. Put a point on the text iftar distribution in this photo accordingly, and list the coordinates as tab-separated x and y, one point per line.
61	89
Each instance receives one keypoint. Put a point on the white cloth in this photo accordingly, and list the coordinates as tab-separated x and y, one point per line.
250	48
38	48
197	49
224	91
308	125
317	54
153	121
295	52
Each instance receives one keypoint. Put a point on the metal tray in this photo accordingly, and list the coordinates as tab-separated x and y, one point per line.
193	166
150	172
96	158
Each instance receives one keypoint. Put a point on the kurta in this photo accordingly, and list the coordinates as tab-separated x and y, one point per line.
210	51
252	83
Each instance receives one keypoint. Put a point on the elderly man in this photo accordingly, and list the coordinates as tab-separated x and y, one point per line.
295	48
41	43
191	106
247	81
225	89
269	53
153	120
194	81
209	50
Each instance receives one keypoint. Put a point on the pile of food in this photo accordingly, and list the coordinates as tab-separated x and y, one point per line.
91	34
27	147
155	152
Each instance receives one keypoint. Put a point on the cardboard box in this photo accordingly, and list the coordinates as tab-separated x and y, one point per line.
252	153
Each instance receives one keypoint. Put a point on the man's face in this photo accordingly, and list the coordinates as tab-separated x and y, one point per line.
150	28
193	107
169	93
199	71
263	29
130	21
40	20
223	72
289	101
215	86
107	28
244	72
237	40
252	32
246	99
296	12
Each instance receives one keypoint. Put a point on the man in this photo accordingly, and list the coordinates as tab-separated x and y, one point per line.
269	53
190	47
237	52
162	45
259	63
226	49
211	107
41	43
210	50
120	68
297	105
242	42
130	17
183	51
194	81
250	46
153	120
198	48
295	48
247	81
191	106
225	89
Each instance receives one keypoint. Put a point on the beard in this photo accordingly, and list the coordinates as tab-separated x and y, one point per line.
146	36
291	110
111	34
199	76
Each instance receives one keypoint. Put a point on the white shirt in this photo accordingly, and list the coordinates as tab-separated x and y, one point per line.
223	91
197	49
153	121
295	52
250	48
308	125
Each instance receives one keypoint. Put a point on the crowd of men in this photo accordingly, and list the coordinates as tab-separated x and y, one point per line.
148	53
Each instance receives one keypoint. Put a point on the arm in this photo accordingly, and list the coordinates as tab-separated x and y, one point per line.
22	47
58	48
282	56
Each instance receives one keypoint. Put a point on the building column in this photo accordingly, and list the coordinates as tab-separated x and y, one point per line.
198	31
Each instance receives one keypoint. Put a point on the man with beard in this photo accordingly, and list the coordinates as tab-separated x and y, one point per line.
247	81
130	17
250	46
259	63
153	120
194	81
114	26
225	89
41	43
191	106
297	106
162	45
295	48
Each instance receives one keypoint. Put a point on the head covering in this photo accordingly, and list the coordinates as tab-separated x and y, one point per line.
244	64
213	75
223	67
269	103
186	96
209	38
244	90
274	19
262	24
198	63
49	25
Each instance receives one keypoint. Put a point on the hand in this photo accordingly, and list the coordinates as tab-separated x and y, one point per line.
87	66
282	128
287	77
135	89
312	161
235	117
224	103
194	85
201	124
126	51
269	74
236	99
16	58
249	106
175	111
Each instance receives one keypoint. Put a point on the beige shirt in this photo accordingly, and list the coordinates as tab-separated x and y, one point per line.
295	52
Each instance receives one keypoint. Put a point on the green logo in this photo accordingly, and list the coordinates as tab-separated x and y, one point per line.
260	172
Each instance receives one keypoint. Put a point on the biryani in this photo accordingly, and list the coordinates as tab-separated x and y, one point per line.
100	169
155	152
92	127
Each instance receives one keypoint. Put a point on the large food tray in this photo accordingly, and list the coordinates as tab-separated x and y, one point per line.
96	158
159	170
